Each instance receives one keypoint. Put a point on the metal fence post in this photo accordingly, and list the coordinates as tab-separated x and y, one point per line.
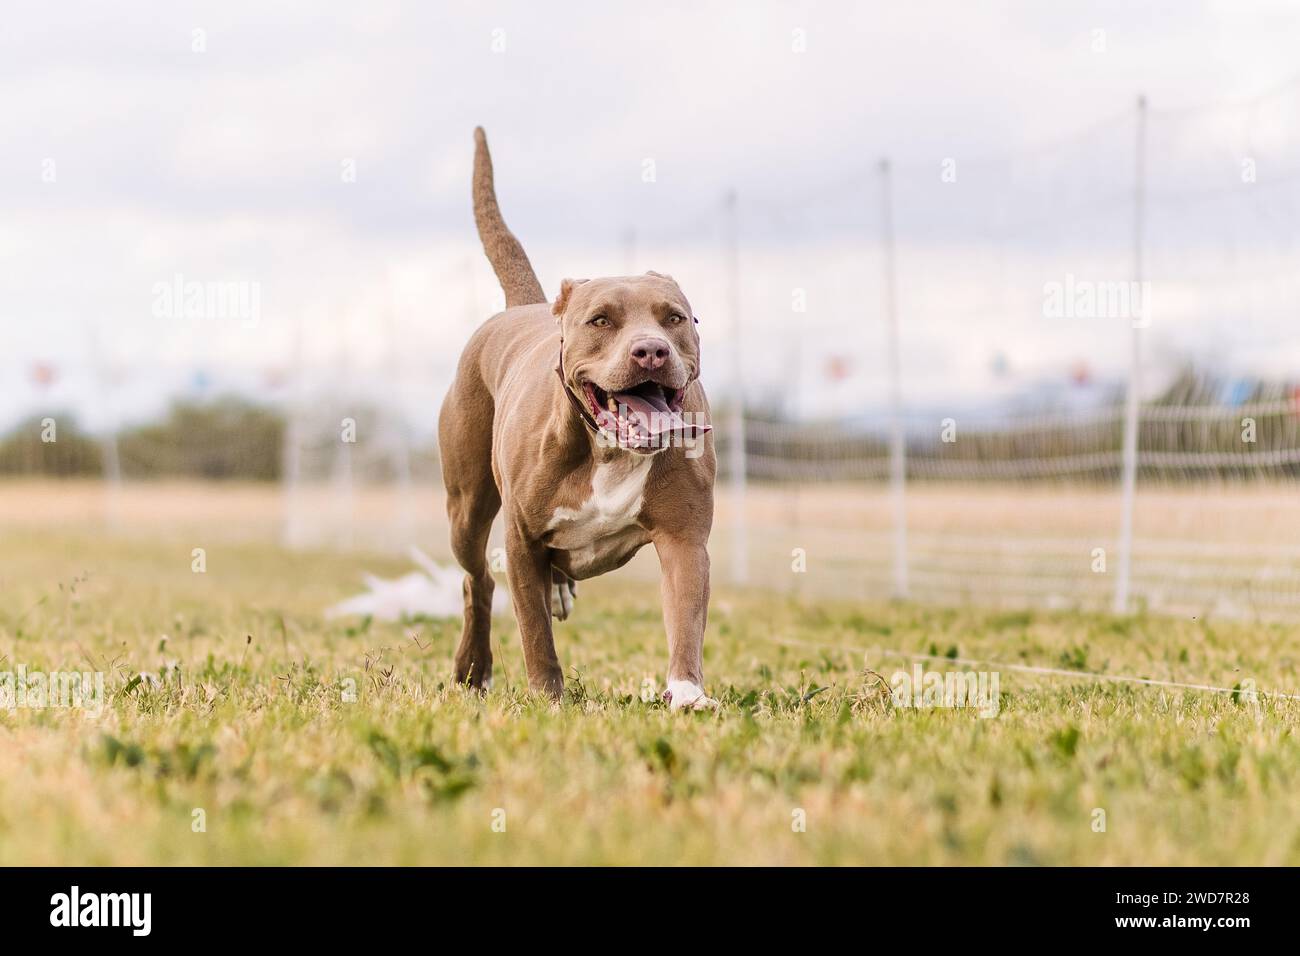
897	435
736	440
1128	489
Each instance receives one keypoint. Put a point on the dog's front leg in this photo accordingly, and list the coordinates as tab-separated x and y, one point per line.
685	567
528	569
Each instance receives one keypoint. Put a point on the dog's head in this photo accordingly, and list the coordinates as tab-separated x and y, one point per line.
629	350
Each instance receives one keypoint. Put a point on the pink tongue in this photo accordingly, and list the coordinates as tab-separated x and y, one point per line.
652	415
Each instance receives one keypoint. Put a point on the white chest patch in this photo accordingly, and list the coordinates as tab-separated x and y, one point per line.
617	490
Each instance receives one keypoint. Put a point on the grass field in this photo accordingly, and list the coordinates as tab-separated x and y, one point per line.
245	713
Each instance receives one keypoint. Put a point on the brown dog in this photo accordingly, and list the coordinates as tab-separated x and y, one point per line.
589	465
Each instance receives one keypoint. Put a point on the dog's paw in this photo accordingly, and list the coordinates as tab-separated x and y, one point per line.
683	695
562	595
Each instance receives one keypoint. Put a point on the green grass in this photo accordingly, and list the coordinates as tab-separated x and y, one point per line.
244	716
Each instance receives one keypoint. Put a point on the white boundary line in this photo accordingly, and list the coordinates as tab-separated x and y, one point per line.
1027	668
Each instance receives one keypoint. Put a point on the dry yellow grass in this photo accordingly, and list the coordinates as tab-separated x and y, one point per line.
1263	515
1228	550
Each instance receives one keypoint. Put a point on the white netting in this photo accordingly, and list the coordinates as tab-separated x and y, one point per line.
1019	501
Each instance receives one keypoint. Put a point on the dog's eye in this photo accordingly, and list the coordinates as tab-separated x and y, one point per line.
676	318
599	321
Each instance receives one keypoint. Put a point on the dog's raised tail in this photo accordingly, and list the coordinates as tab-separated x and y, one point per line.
509	261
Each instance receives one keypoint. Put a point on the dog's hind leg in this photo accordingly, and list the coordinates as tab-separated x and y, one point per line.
471	524
472	502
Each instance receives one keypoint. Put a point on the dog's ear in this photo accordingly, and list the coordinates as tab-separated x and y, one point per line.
566	290
660	275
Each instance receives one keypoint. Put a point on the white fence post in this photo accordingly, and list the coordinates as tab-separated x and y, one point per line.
112	462
897	436
399	444
736	438
1128	488
291	451
112	475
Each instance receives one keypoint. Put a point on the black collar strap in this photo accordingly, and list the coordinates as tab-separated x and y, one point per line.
583	412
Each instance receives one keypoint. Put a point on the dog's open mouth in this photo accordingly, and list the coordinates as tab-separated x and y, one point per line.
645	416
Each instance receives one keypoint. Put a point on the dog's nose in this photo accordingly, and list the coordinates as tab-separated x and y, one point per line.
650	354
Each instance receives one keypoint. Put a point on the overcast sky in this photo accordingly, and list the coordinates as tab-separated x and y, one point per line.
218	141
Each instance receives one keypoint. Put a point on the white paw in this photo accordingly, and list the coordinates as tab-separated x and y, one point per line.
562	600
683	695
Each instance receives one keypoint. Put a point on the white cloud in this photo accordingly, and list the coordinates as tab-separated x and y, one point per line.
226	164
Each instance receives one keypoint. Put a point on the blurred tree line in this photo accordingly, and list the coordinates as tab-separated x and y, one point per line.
231	438
226	438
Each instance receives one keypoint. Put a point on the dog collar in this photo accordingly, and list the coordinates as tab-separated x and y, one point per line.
583	412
